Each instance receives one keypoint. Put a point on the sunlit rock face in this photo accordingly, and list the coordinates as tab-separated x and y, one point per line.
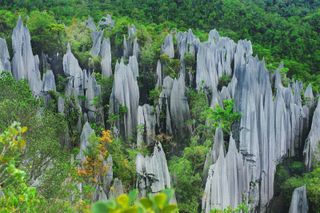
146	125
24	64
73	72
168	47
105	53
152	171
299	202
4	56
272	126
312	146
124	99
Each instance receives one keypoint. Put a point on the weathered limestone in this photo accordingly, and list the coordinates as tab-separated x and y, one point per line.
312	146
152	171
226	183
96	36
116	189
187	42
133	63
218	147
125	95
93	93
105	53
24	64
146	125
4	56
164	106
270	128
130	44
73	71
299	202
167	47
179	108
49	83
106	22
214	59
159	75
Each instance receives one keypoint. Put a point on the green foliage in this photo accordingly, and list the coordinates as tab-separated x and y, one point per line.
154	95
158	203
223	81
186	172
171	65
312	182
190	62
47	34
123	162
17	195
221	117
241	208
46	134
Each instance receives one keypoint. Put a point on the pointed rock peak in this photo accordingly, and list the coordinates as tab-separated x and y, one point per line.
68	48
218	137
299	202
232	144
121	61
213	36
309	93
86	127
19	22
90	24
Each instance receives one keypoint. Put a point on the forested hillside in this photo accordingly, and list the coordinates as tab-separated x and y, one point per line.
280	30
159	106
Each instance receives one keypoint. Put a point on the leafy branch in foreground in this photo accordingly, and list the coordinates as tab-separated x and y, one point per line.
158	203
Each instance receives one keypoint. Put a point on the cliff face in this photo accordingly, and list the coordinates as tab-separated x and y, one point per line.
273	125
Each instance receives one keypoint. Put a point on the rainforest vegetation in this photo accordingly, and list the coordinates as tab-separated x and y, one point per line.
33	132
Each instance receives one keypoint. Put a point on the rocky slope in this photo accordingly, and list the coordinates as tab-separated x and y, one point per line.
274	124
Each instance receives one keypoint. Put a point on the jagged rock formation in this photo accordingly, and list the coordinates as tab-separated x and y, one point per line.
106	22
105	53
146	125
168	47
92	91
100	45
153	173
269	129
299	202
74	72
24	64
96	36
179	108
312	146
130	44
49	83
274	118
116	189
225	180
218	147
4	56
125	98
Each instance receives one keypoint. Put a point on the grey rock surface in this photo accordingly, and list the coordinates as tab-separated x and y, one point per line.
167	47
105	53
152	171
24	64
125	94
5	64
299	202
312	146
